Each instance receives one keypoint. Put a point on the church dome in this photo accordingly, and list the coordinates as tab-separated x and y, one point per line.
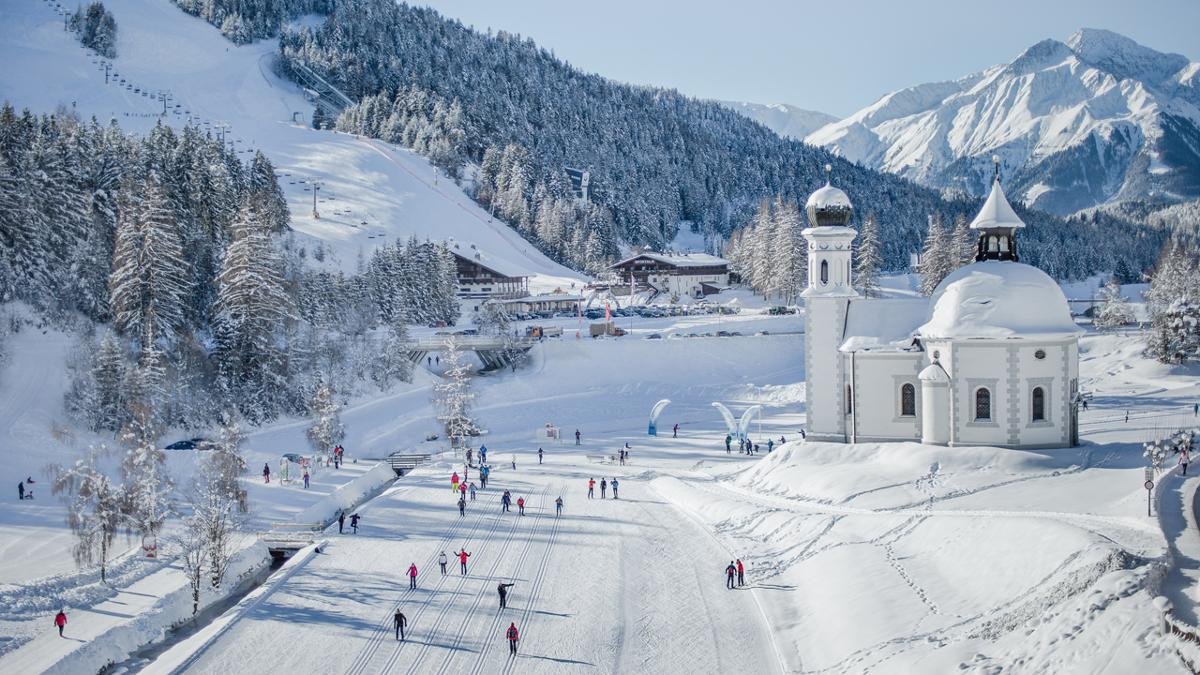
828	207
996	299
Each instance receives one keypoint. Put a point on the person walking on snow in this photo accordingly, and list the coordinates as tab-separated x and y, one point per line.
741	573
442	562
576	437
21	491
614	487
400	621
603	487
462	507
539	455
1183	460
354	522
675	431
514	462
591	488
558	507
505	500
513	637
306	478
770	445
462	559
341	522
454	483
266	472
730	571
60	620
462	490
520	506
412	576
483	454
472	491
728	440
502	589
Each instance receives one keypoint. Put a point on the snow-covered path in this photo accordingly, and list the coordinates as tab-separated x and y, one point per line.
628	585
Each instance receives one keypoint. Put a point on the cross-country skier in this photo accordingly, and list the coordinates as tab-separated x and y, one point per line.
591	488
603	487
60	620
462	559
266	472
576	437
472	491
741	570
521	506
462	506
462	490
354	522
483	454
21	490
341	522
512	636
675	431
505	500
730	572
454	483
539	455
400	621
412	575
558	507
442	562
614	487
502	589
514	462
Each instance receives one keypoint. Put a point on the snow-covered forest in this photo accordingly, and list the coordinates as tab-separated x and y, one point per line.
658	160
172	258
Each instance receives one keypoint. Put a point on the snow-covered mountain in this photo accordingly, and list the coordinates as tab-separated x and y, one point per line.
1096	119
785	120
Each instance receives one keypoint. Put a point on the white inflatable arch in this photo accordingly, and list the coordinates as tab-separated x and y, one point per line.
747	417
730	424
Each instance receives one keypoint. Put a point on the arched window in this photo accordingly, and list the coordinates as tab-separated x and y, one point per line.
993	244
1039	404
824	271
1004	244
983	404
908	400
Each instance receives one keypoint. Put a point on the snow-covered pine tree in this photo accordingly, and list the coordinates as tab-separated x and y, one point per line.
1174	303
107	385
453	395
93	509
148	287
252	308
193	552
266	194
963	242
757	249
868	262
392	364
225	464
1114	310
326	430
938	256
790	253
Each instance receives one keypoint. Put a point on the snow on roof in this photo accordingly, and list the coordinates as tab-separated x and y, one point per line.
498	265
934	373
877	324
996	211
543	297
826	197
997	299
678	259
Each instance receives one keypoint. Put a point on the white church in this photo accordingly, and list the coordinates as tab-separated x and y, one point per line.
991	358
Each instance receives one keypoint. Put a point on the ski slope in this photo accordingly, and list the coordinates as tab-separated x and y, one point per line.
370	194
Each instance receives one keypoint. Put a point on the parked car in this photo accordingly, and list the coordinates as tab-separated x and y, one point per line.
654	336
190	444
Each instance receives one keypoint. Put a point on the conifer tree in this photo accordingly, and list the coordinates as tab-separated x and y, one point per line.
867	264
938	257
326	430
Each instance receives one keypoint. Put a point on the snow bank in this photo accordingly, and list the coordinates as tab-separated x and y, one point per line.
350	495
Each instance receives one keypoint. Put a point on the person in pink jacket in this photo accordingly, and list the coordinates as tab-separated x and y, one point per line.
454	483
412	575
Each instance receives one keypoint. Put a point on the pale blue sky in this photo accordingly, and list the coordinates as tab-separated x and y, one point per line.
835	56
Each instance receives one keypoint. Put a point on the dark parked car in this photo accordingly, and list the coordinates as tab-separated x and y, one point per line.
190	444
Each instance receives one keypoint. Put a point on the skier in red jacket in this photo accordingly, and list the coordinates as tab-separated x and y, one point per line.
462	559
412	575
512	636
60	620
521	506
741	573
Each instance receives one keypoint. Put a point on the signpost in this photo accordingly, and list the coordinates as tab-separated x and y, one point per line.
1149	485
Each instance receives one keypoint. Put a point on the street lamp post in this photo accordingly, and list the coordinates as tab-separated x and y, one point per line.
316	188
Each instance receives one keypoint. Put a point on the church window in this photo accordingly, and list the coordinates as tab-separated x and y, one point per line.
993	245
908	400
824	271
983	404
1004	244
1039	404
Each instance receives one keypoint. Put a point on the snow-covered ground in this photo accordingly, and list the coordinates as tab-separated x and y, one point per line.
371	193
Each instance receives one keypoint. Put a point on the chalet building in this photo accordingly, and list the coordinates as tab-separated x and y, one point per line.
480	277
692	275
546	302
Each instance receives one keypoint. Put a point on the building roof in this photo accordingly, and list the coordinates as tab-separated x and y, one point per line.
677	259
544	297
883	324
996	211
999	299
498	266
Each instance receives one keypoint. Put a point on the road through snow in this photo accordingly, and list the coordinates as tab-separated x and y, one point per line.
628	585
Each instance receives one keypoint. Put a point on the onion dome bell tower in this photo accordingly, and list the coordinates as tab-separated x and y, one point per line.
830	240
997	225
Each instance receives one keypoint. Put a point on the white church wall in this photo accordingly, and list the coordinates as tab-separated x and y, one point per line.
1052	373
824	318
878	377
972	367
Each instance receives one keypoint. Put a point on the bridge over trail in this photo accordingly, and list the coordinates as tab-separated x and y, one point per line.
495	351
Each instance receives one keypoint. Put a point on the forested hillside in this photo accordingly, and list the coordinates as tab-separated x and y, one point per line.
174	259
657	158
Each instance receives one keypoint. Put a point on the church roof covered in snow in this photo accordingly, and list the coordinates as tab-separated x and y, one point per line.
996	212
879	325
997	299
676	259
